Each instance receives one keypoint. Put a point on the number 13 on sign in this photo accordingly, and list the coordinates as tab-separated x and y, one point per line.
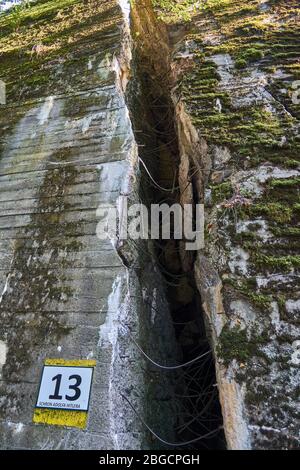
65	388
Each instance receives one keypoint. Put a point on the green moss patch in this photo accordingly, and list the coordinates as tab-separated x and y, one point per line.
278	263
234	344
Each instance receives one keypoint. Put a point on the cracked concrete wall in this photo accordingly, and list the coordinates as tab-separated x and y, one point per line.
67	147
235	79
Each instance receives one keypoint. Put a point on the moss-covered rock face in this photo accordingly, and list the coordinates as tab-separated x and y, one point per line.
236	69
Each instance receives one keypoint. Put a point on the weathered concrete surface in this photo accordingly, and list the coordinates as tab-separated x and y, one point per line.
234	73
235	89
67	147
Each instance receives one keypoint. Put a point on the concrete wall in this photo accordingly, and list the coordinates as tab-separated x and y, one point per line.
67	147
235	77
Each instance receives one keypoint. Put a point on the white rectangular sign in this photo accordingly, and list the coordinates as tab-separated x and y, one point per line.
65	388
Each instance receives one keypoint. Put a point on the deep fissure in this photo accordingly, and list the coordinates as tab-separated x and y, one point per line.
155	129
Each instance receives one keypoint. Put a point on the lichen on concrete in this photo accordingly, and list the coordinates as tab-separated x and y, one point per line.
67	146
234	68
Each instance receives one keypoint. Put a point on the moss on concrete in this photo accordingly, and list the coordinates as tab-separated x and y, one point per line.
68	33
234	344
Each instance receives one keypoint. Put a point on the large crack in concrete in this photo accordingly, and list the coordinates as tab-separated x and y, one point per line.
164	136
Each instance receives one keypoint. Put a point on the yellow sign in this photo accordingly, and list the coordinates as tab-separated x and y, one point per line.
61	417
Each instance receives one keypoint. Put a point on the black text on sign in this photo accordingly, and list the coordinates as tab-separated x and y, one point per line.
65	387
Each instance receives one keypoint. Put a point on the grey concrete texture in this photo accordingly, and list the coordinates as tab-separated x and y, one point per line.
63	292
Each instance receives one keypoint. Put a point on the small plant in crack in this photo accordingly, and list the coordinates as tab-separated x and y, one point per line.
231	206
